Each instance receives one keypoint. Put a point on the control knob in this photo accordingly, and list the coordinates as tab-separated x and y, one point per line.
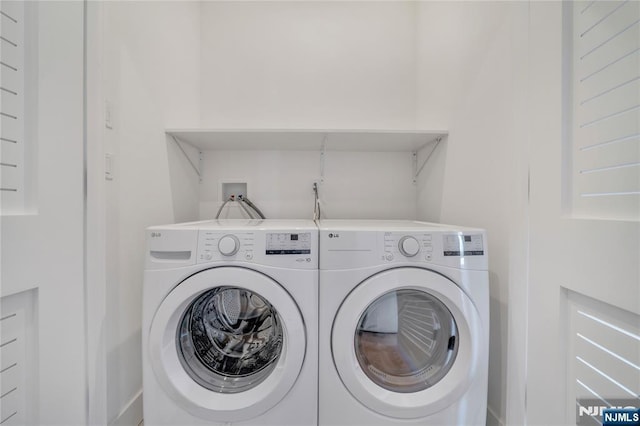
229	245
409	246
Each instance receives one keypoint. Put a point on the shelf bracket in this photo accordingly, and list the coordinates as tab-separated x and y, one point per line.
414	161
187	157
416	170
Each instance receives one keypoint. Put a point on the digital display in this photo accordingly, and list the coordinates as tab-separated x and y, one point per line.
288	243
463	245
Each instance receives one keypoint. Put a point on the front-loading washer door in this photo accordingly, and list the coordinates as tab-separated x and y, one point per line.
407	342
227	344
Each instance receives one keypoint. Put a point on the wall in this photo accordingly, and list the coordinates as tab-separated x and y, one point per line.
280	183
308	64
150	82
325	65
452	42
478	178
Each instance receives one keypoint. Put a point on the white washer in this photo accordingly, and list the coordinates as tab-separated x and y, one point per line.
404	324
230	317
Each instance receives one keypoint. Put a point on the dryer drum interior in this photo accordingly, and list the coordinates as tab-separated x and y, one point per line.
406	340
229	339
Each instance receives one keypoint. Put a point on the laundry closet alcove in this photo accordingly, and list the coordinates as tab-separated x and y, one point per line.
374	174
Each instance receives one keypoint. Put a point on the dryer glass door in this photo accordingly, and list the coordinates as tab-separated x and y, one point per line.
229	339
406	340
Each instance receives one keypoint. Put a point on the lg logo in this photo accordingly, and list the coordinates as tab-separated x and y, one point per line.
334	235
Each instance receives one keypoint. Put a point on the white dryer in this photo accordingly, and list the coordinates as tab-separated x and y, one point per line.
404	324
230	317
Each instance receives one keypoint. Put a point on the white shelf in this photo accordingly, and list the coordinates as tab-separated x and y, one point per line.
306	139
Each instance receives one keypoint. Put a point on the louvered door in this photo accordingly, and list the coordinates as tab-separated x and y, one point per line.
12	98
584	279
604	42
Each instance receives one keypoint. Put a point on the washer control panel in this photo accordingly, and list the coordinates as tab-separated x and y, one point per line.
228	245
214	245
283	243
295	249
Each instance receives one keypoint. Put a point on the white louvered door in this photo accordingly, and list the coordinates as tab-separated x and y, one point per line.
605	83
12	97
584	271
604	355
42	313
18	359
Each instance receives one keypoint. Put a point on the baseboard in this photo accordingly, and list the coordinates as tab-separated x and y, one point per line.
131	415
493	419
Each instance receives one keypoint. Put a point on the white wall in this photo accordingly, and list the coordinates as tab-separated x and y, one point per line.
452	40
468	65
151	79
356	184
308	64
325	65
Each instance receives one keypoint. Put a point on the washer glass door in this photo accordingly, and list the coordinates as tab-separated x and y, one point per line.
229	339
227	344
406	340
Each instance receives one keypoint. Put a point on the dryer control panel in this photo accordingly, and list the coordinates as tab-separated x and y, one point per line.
347	249
454	249
408	246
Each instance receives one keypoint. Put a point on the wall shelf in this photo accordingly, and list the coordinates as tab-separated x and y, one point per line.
307	139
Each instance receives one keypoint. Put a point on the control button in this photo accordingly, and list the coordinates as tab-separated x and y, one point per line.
409	246
428	248
248	255
208	255
228	245
389	257
428	256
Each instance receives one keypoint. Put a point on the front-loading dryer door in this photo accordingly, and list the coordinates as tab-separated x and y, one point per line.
227	344
407	342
